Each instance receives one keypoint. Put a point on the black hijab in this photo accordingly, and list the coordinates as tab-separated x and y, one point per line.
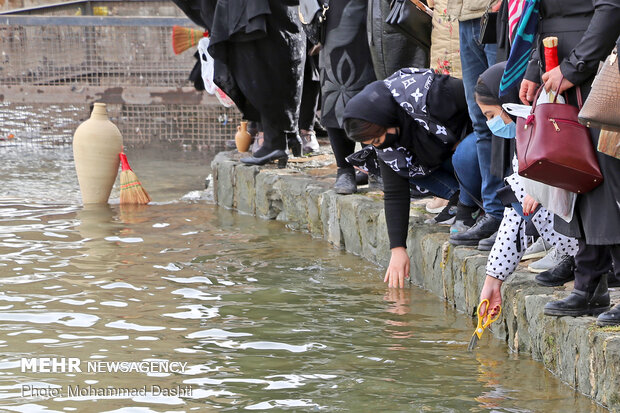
490	80
445	103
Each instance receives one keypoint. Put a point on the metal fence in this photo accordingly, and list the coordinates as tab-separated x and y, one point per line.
52	68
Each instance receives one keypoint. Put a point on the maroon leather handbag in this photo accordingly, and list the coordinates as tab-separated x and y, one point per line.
555	149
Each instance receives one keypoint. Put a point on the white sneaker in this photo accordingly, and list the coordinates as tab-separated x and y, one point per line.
537	250
550	260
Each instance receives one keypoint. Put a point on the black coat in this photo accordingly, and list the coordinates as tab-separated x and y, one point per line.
390	49
259	53
586	31
344	62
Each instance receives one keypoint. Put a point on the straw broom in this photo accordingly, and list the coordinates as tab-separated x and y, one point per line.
184	38
131	188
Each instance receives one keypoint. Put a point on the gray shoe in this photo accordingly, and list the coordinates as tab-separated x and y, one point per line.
487	243
458	226
549	261
345	181
537	250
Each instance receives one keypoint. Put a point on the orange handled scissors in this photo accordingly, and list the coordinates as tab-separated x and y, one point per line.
482	325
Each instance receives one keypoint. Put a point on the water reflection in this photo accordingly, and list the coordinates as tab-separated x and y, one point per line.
264	319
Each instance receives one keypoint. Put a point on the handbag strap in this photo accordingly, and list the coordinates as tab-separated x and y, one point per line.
555	95
423	7
579	97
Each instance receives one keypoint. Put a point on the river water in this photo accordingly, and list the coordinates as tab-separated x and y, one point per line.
253	316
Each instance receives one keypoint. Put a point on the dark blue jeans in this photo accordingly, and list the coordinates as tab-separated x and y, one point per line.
475	59
465	162
441	182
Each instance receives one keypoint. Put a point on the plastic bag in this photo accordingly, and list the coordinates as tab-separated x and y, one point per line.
207	71
557	200
523	111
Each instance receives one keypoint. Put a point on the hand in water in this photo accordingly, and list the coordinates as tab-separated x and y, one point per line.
491	290
401	298
398	270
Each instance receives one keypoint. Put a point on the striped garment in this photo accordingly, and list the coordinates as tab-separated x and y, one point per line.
515	8
521	47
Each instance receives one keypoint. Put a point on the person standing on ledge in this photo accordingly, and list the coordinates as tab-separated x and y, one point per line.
345	67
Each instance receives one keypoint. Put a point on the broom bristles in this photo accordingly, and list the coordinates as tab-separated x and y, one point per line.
184	38
132	191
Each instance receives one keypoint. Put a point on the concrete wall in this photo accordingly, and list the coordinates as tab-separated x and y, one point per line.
574	349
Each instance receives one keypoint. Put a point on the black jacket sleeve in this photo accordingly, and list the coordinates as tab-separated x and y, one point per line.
596	43
396	205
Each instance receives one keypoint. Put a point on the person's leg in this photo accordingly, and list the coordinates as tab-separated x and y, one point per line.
465	163
475	59
612	317
441	182
590	295
309	98
343	147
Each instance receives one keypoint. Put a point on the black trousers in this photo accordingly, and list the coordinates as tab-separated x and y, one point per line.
310	94
592	261
341	145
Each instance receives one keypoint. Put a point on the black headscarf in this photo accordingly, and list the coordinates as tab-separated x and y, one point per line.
491	79
502	150
445	103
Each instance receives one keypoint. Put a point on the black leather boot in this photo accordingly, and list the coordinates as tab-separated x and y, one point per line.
484	228
580	303
278	155
609	318
558	275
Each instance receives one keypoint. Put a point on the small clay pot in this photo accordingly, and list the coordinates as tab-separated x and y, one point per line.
243	139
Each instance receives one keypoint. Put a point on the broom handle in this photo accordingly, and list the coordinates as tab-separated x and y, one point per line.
124	163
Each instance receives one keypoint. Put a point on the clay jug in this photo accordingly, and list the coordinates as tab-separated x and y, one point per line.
243	139
96	145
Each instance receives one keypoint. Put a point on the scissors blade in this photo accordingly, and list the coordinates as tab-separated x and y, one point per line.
473	342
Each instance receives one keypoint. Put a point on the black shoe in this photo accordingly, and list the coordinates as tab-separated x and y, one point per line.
294	144
558	275
345	181
484	228
277	155
375	182
448	213
580	303
609	318
487	243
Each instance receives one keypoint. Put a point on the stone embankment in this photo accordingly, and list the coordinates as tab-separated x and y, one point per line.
574	349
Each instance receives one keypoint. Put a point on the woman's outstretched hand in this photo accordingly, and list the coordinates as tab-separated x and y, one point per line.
398	270
492	291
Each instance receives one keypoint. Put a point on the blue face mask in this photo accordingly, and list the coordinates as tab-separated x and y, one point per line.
499	128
